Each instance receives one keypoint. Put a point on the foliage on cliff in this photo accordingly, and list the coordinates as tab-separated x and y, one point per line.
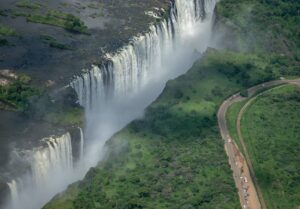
262	25
21	95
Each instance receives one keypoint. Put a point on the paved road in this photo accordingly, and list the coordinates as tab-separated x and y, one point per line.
243	173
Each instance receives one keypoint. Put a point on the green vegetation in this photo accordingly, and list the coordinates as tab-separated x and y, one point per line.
16	95
54	43
174	157
60	19
66	116
29	5
244	93
60	109
263	25
271	131
7	31
22	96
65	201
54	18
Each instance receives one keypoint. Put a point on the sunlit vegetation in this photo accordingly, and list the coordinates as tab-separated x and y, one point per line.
60	19
271	131
16	95
27	4
52	17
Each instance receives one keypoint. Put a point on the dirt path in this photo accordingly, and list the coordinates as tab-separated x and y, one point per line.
249	193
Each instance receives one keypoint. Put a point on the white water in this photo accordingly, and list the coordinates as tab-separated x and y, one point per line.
81	144
119	90
51	169
115	93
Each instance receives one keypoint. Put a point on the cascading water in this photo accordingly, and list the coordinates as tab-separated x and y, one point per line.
118	91
81	144
45	163
130	79
136	64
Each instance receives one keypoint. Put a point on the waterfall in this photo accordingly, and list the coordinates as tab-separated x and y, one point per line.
13	192
116	92
127	81
55	158
47	164
81	144
136	64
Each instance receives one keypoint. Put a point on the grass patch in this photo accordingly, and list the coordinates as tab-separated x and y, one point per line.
59	19
7	31
66	116
28	5
270	128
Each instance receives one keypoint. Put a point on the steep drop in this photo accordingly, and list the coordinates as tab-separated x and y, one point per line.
116	92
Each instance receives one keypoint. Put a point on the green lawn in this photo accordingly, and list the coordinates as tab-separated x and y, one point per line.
271	130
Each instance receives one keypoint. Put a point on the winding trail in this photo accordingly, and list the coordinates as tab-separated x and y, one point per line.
243	173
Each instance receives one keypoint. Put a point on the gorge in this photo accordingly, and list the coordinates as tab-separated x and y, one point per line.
113	93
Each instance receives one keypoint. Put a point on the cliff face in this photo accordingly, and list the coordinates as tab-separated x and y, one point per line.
48	43
54	41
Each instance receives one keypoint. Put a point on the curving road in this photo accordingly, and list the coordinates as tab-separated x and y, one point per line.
243	173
